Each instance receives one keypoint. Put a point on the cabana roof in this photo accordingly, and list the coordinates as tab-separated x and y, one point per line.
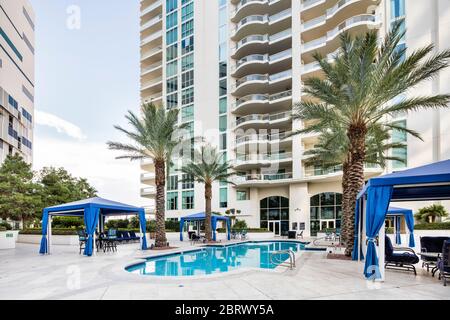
428	182
108	207
394	211
202	216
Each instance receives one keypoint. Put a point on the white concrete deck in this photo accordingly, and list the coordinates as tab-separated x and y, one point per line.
24	274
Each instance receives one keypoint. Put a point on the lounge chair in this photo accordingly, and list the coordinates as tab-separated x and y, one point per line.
443	263
399	258
300	235
125	236
196	238
133	236
82	238
244	235
434	245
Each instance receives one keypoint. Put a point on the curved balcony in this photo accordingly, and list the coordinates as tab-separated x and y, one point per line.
154	38
251	44
253	103
151	69
152	25
148	179
151	56
262	179
263	120
149	193
359	23
282	138
250	83
249	63
152	8
247	7
248	161
263	62
250	25
152	86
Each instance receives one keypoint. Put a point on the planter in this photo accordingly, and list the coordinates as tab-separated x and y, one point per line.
7	240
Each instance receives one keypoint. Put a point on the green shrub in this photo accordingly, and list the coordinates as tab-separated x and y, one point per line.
2	228
67	222
117	224
431	213
390	230
172	226
433	226
56	232
250	230
240	225
134	223
5	225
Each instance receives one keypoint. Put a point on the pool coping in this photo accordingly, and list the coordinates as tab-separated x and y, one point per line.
167	279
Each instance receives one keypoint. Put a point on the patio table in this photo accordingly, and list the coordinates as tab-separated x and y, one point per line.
432	257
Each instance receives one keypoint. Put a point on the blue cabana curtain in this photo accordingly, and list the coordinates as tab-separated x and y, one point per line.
228	229
398	238
44	246
143	224
90	221
181	228
377	205
214	226
409	218
357	245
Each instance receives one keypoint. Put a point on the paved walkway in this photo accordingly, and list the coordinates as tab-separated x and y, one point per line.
66	275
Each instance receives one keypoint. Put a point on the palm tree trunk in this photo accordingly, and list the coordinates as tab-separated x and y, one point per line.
160	180
345	200
355	182
208	196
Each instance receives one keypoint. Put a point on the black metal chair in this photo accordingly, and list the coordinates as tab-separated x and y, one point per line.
399	258
433	245
133	236
443	263
82	238
110	242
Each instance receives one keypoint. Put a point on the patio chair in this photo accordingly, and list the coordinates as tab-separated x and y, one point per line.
399	258
431	244
197	238
125	236
82	238
110	241
443	263
244	235
300	235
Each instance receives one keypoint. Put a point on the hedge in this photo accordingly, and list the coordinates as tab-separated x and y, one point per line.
250	230
433	226
5	225
56	232
2	229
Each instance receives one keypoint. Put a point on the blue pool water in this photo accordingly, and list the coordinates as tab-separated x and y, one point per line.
210	260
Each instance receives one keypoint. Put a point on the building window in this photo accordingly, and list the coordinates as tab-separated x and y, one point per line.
187	12
188	200
172	69
274	214
222	69
11	44
242	195
325	212
172	85
223	198
401	153
188	182
187	113
13	102
171	36
223	87
172	20
172	52
171	5
223	105
172	200
172	101
187	62
187	28
223	123
172	183
223	141
187	45
397	9
187	96
187	79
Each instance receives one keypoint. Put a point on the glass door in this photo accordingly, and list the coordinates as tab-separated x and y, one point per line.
327	224
274	226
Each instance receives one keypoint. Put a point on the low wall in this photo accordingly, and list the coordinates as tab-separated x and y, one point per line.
7	240
56	240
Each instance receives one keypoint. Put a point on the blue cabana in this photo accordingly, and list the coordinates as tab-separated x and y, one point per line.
201	217
397	213
425	183
94	210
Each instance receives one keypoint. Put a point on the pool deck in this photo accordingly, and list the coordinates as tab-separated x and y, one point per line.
66	275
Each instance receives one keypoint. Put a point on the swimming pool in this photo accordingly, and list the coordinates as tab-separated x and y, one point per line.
216	259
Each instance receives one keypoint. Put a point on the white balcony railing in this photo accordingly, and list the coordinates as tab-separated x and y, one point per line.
263	117
152	22
151	7
262	177
150	38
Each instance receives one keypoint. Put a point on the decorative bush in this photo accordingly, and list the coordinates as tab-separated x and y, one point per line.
433	226
67	222
117	224
250	230
5	225
240	225
390	230
430	213
2	229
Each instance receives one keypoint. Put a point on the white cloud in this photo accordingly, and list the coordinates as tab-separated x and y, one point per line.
117	180
61	125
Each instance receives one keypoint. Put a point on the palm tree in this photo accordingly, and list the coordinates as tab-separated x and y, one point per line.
154	137
332	150
361	88
208	167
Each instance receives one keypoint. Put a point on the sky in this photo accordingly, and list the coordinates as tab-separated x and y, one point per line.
87	78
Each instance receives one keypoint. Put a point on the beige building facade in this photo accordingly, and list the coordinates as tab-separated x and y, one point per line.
235	68
16	78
